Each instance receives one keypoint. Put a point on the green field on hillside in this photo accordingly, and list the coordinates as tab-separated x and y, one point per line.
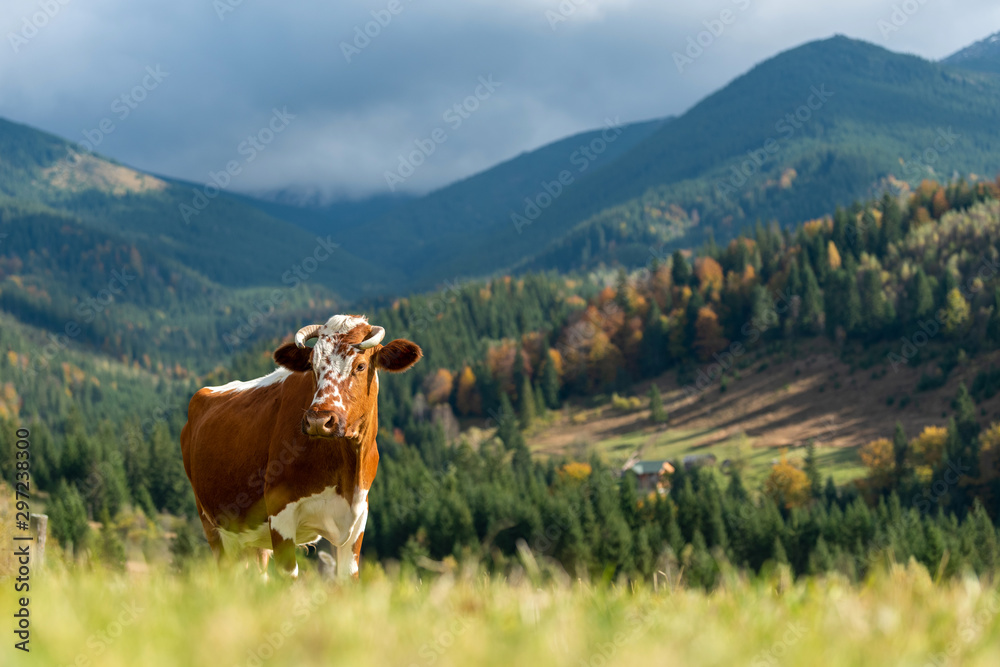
672	444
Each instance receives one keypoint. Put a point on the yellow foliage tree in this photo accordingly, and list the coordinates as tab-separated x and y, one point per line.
467	399
878	457
576	470
787	484
833	255
956	311
927	450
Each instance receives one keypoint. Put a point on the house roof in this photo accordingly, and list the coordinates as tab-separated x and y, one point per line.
651	467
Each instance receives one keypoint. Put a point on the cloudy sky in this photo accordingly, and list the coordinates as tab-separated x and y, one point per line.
359	101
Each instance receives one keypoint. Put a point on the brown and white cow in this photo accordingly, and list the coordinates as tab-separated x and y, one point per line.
288	458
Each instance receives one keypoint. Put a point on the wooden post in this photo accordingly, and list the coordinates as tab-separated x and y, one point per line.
39	528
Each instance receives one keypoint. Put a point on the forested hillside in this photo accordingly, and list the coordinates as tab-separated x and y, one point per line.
504	353
217	236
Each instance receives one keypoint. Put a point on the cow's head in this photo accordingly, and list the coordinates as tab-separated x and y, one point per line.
345	362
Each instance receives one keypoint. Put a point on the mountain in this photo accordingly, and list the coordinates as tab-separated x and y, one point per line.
212	233
314	214
984	55
432	231
144	270
757	150
816	126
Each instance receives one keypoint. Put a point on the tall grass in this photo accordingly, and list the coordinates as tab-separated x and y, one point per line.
232	617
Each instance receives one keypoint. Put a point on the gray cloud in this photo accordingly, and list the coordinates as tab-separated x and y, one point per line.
607	58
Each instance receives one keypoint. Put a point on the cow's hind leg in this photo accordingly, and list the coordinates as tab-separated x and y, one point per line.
211	534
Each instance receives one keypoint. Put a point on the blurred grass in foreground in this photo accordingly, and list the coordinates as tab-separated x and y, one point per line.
231	617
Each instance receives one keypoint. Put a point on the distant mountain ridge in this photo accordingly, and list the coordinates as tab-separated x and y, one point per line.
813	127
984	55
679	180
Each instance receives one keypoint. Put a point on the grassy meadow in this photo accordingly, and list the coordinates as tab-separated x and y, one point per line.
208	617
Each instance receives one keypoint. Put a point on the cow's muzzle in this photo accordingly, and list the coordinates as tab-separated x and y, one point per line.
326	424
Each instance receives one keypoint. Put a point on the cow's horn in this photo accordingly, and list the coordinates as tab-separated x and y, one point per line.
305	333
377	334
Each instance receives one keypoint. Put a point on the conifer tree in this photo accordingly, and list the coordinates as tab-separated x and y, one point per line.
550	382
900	447
111	549
526	403
812	469
680	269
656	412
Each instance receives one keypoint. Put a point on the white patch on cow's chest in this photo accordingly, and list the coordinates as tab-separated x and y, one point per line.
325	514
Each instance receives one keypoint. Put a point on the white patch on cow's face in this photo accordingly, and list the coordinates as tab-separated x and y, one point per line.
333	364
325	514
274	377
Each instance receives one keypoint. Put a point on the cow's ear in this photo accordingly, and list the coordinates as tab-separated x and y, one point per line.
398	355
293	358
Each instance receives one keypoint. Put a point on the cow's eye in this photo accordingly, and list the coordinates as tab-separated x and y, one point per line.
360	368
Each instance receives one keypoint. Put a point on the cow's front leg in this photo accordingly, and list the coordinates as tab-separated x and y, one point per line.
284	551
356	555
346	565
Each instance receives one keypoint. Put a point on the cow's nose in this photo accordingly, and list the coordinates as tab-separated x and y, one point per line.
319	423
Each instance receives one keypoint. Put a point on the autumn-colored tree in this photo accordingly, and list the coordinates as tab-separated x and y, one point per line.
879	458
787	485
927	451
833	255
467	398
709	274
500	361
709	337
956	311
575	470
438	386
939	203
603	362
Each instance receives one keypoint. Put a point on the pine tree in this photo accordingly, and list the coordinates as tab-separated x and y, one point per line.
820	559
526	403
853	315
653	342
900	446
965	415
892	223
540	406
550	382
873	303
968	430
778	551
680	269
812	469
68	517
812	301
507	426
656	412
182	547
110	547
